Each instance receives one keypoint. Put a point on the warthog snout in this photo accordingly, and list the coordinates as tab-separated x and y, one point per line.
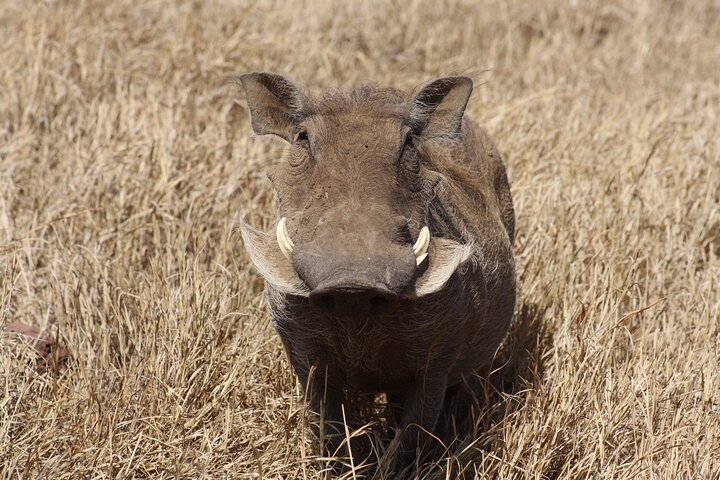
360	281
353	265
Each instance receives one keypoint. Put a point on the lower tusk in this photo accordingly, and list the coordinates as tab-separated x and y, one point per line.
421	245
286	245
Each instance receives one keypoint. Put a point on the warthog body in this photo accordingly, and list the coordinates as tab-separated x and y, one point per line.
362	301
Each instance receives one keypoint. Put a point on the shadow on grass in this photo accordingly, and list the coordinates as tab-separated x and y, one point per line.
476	410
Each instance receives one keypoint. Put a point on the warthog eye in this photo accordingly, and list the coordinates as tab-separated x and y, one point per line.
301	137
303	141
408	141
409	157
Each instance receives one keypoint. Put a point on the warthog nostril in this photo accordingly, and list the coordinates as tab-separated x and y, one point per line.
353	300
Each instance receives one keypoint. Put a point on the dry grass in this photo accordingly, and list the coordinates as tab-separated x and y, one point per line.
122	166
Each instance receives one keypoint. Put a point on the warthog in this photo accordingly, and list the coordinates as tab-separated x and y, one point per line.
391	267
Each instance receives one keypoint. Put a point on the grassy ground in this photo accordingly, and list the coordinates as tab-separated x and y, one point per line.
123	164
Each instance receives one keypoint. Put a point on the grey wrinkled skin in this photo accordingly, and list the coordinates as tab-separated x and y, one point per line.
366	170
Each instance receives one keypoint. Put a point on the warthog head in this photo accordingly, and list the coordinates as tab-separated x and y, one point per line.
354	193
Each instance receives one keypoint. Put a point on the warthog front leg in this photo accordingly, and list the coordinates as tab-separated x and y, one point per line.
421	410
326	403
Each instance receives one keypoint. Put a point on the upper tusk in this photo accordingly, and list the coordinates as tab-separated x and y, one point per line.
286	245
421	245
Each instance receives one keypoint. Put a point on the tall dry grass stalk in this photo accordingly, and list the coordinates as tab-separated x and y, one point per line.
122	165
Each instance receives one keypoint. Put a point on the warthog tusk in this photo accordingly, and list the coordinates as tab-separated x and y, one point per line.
421	246
283	239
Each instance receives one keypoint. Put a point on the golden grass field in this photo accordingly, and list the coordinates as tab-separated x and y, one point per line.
124	161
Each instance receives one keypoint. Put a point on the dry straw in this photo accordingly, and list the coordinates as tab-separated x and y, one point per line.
122	166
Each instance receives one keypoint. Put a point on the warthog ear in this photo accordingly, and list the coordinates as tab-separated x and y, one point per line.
444	257
439	106
270	261
275	103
